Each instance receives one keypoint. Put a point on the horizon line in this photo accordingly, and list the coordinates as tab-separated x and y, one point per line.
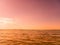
29	29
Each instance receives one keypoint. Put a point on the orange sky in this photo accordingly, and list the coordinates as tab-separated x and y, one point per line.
30	14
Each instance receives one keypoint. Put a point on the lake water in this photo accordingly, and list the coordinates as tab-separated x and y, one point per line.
29	37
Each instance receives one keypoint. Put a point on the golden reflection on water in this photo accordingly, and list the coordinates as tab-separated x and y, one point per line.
27	37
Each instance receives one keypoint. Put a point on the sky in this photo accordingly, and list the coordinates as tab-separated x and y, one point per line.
29	14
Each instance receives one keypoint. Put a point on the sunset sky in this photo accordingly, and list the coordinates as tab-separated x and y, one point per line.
29	14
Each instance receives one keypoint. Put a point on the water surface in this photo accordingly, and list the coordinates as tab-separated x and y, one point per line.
29	37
